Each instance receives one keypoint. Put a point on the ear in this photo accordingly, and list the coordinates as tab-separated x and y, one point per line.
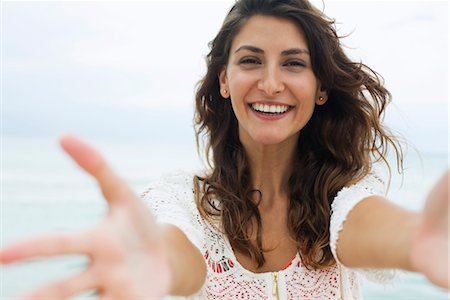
322	96
223	82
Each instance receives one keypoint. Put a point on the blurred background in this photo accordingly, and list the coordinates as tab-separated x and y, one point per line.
122	75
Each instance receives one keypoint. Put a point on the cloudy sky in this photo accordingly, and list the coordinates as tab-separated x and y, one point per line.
127	70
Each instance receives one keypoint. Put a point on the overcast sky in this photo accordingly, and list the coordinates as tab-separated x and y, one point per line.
128	69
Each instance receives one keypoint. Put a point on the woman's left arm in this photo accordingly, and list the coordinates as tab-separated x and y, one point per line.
380	234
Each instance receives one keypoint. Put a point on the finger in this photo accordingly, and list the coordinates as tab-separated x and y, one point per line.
437	205
115	190
66	288
47	245
113	187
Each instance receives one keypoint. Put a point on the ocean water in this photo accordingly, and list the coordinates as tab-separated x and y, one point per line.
43	191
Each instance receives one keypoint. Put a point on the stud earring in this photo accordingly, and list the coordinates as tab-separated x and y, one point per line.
225	93
321	99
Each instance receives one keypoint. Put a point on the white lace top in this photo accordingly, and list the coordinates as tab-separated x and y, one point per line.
172	201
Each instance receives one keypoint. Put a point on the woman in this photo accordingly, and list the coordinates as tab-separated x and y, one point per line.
292	206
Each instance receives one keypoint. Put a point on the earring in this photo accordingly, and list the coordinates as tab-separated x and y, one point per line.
321	99
225	93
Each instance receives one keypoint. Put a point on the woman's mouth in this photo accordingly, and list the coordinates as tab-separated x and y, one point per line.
270	109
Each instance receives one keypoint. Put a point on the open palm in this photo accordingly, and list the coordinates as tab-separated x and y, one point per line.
127	255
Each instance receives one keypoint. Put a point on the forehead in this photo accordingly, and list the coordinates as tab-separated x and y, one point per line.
270	32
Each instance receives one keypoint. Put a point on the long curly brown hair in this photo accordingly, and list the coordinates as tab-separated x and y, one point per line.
336	148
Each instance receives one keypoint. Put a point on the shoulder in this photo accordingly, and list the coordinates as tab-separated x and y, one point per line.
172	194
169	187
177	181
171	199
375	181
373	184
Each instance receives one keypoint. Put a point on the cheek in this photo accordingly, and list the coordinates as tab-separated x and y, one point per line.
240	83
238	108
305	89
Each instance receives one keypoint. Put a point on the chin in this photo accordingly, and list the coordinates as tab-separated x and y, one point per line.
264	137
268	140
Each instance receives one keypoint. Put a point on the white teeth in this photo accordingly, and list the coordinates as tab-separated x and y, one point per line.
270	108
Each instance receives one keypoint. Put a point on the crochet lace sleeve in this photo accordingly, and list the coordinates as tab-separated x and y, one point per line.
171	200
343	203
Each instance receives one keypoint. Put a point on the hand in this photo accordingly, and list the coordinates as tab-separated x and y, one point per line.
430	247
127	255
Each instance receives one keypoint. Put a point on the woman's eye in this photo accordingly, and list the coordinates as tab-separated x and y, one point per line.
295	63
249	61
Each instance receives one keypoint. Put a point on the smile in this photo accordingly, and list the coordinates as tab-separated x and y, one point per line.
270	109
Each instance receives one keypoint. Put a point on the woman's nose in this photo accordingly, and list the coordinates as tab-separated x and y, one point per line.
271	82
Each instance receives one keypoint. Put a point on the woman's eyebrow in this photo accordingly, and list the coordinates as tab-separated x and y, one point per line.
294	51
287	52
249	48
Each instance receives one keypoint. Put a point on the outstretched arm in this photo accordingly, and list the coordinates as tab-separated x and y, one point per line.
379	234
130	255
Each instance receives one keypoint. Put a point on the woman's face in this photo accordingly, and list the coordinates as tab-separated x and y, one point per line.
270	81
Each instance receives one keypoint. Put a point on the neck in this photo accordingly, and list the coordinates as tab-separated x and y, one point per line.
271	167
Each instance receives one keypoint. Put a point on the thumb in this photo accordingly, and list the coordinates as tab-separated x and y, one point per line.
113	187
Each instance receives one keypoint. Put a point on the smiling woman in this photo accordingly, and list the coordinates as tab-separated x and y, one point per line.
292	205
270	69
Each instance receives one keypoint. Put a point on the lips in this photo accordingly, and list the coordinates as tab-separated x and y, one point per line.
270	108
270	111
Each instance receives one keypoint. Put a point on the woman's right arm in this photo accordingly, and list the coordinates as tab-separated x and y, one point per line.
185	260
130	255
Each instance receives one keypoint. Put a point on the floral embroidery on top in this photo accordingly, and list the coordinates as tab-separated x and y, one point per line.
313	284
224	279
215	254
221	266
